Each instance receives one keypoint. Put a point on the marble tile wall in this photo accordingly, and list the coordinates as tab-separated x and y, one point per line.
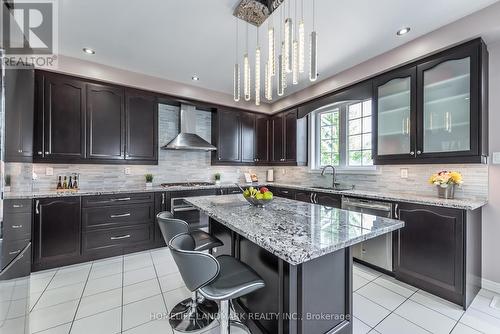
178	166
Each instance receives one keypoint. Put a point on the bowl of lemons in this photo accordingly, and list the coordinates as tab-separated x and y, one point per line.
258	197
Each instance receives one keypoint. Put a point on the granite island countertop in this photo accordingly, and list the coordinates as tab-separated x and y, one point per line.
294	231
458	203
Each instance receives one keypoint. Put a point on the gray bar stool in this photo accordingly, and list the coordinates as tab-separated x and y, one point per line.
220	279
195	313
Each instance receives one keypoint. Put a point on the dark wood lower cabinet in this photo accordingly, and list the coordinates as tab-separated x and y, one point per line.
56	232
439	251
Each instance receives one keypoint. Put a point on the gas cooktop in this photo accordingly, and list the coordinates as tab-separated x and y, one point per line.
187	184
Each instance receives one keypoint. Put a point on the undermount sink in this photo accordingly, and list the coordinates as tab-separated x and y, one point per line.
337	188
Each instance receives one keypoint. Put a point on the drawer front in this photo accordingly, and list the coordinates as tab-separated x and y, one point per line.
118	199
17	226
118	215
17	205
117	237
10	250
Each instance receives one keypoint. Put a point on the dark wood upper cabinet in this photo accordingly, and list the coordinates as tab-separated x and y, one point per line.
288	139
248	150
226	134
261	139
434	110
59	118
19	108
277	138
141	116
79	121
56	231
105	122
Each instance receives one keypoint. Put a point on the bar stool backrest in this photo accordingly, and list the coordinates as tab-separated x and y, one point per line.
170	226
196	268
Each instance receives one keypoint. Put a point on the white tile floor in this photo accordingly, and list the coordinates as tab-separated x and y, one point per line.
118	295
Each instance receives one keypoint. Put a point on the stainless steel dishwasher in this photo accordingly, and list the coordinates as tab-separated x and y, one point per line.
376	251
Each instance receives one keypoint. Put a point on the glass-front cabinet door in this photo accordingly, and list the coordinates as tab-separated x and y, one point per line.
395	120
448	108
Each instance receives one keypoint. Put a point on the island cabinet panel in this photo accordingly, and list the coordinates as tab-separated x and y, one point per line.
60	105
105	122
56	232
294	297
429	250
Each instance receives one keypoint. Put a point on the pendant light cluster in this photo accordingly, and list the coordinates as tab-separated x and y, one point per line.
290	59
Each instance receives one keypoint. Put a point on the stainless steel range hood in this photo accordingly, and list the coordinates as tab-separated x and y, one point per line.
187	139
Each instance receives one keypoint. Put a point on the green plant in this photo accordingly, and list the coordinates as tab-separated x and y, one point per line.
149	178
7	180
217	176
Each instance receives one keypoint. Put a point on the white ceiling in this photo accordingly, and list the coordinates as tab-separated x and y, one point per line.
176	39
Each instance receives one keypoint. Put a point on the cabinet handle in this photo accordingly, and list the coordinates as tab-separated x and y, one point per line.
17	226
311	198
120	216
396	211
15	252
163	199
315	198
412	153
419	152
37	206
123	199
17	206
120	237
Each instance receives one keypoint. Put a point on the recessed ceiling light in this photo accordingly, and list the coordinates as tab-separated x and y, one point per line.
89	51
403	31
195	78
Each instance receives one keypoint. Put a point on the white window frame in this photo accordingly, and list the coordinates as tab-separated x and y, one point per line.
314	142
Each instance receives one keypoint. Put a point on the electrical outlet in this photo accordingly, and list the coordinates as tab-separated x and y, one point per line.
496	158
404	173
127	171
49	171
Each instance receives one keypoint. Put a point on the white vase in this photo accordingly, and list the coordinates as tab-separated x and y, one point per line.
149	184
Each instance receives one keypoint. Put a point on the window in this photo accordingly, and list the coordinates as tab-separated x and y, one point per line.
342	135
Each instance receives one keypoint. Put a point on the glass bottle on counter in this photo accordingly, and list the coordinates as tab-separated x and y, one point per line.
59	184
75	182
70	183
65	183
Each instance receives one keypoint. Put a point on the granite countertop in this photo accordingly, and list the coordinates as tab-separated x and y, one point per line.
465	204
458	203
294	231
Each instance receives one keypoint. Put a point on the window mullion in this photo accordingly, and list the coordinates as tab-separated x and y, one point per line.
343	120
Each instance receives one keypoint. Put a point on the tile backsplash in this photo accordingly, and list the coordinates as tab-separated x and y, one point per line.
179	166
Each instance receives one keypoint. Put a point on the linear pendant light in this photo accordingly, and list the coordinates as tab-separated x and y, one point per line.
236	74
246	72
288	41
295	55
257	72
272	50
302	38
313	72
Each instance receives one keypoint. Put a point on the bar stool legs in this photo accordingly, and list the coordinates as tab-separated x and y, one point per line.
193	314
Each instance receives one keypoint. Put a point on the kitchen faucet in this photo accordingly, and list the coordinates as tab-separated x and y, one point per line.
333	174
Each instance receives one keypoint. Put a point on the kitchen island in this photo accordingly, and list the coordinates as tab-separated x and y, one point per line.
301	250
